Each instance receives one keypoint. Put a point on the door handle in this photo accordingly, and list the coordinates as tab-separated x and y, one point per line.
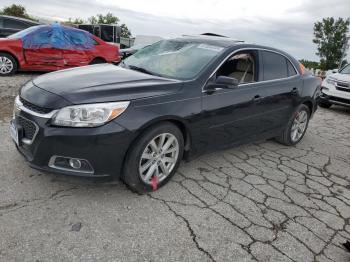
257	98
295	90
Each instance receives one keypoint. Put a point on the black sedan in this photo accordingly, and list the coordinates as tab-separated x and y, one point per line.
10	25
172	100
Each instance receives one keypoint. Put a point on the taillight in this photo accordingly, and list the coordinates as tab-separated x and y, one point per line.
302	68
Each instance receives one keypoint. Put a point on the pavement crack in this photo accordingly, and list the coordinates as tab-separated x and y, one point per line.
188	225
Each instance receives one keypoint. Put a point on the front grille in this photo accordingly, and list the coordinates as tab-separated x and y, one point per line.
343	86
34	108
29	128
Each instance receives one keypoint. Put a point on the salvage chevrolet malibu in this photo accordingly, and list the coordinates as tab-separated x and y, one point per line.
172	100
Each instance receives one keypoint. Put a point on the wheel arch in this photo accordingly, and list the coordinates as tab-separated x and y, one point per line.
13	55
177	121
310	105
98	58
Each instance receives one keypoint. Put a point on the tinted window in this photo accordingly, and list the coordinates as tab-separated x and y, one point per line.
345	70
275	66
9	23
291	69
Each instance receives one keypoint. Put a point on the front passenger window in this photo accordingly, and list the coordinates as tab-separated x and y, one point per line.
241	66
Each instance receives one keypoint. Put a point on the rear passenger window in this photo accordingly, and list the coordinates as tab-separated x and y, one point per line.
13	24
275	66
291	69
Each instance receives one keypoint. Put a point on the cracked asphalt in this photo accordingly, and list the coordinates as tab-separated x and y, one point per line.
257	202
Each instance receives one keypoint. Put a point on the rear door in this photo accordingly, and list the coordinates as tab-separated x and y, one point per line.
80	52
278	91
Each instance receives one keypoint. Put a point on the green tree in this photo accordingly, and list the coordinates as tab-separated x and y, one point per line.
16	10
310	64
330	38
125	31
75	21
109	18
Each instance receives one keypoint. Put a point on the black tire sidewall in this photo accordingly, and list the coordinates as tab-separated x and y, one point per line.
290	124
131	174
14	62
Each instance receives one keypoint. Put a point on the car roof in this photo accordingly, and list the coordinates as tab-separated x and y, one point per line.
211	40
20	19
228	42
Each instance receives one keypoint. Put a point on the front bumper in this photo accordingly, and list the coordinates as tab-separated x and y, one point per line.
103	147
337	93
333	99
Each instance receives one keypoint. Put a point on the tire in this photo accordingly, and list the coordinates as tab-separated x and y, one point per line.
96	61
324	104
8	64
144	181
287	137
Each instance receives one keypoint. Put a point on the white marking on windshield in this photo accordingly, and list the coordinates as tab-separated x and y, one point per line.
210	47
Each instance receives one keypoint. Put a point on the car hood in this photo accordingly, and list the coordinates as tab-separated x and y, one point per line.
102	83
341	77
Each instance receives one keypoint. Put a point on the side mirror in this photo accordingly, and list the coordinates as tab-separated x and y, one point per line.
335	71
228	82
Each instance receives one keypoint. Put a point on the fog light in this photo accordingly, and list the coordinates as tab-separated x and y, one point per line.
71	164
75	163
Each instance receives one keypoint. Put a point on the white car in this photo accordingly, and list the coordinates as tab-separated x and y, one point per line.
336	89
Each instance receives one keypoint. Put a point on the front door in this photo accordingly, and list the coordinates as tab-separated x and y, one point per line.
39	51
45	58
231	115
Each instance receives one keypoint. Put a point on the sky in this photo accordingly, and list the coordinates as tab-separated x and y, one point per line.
287	25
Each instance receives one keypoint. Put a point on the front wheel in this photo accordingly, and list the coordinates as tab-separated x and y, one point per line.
153	158
296	127
8	64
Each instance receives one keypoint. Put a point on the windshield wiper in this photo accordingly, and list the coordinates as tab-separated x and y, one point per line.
142	70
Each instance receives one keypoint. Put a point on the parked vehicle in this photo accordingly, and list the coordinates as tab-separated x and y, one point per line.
336	89
108	33
141	41
53	47
10	25
126	52
176	98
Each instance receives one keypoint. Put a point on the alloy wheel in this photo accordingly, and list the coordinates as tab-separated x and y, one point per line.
6	65
159	158
299	126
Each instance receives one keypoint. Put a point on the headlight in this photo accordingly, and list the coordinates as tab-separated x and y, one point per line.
330	81
88	115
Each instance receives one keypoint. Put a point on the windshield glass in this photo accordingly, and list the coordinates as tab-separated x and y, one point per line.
24	32
346	70
174	58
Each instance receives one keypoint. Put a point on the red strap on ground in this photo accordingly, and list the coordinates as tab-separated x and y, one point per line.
154	183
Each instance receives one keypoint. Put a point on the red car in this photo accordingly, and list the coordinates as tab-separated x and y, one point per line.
53	47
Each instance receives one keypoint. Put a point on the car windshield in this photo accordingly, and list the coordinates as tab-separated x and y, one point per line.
173	58
346	70
24	32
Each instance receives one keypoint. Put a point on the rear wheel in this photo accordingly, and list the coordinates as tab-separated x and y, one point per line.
97	61
296	127
154	158
324	104
8	64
